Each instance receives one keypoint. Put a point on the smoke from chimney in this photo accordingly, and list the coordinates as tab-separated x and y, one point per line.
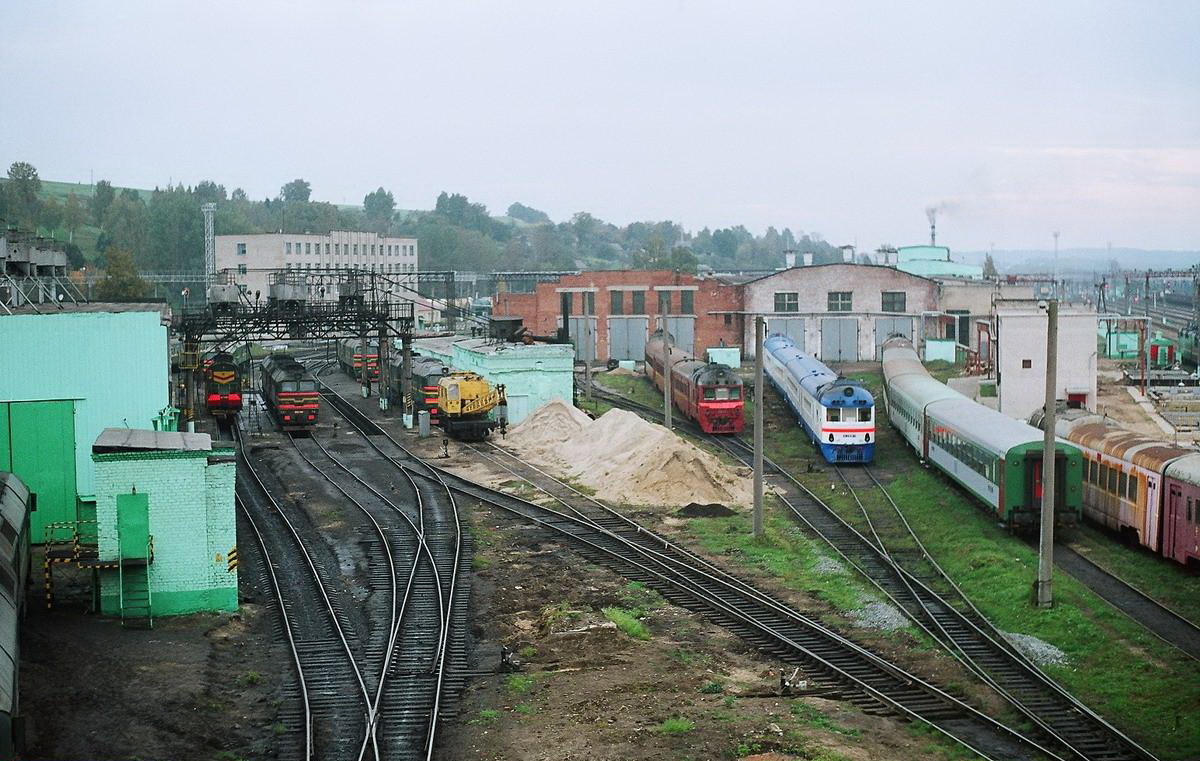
931	214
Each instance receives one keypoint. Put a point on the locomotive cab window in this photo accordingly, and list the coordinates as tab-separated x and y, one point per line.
710	393
833	415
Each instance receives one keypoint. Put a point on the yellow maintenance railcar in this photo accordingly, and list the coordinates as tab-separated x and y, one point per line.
469	407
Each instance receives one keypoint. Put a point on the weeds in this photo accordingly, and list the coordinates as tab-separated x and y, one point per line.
676	725
627	622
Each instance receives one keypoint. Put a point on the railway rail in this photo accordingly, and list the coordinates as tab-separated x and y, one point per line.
929	598
608	538
400	661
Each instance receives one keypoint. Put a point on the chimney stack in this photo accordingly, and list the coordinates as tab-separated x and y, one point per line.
848	254
808	259
789	259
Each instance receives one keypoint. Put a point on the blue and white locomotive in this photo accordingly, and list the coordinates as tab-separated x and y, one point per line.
837	413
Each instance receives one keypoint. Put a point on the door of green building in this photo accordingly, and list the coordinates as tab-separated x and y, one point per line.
39	446
133	525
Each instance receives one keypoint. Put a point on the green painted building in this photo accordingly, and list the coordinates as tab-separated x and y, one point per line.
532	374
65	377
934	261
166	523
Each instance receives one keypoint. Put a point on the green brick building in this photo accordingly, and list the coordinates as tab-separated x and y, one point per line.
166	523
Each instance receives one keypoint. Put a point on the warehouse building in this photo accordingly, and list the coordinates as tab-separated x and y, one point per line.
1021	357
611	313
840	312
934	261
532	374
64	378
165	522
252	257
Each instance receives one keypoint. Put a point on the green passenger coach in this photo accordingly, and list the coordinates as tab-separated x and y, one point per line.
996	458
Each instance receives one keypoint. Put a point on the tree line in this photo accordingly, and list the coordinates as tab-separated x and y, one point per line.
163	229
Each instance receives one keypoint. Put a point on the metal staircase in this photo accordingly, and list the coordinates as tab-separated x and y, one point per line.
137	610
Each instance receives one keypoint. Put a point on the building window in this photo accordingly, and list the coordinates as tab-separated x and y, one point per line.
241	249
786	301
687	302
728	320
372	249
1026	364
895	301
356	249
307	248
287	248
616	302
327	249
589	302
639	302
241	269
840	301
664	302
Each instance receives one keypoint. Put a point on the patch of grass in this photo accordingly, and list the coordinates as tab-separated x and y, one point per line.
729	701
479	562
686	657
627	622
561	615
249	678
525	709
676	725
278	728
811	717
635	387
519	683
527	652
987	390
638	598
712	688
486	716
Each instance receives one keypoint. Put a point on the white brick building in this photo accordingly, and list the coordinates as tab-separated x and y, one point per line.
1021	361
252	257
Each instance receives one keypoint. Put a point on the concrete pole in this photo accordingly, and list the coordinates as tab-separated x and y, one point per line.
666	373
1045	578
385	372
758	427
406	389
363	377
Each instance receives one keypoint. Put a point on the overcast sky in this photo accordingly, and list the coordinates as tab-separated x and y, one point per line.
1021	118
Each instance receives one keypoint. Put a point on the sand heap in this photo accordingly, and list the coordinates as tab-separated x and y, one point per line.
626	459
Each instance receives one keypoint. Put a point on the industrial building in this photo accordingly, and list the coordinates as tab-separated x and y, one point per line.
934	261
165	522
1021	357
66	377
610	313
532	374
840	312
33	271
251	258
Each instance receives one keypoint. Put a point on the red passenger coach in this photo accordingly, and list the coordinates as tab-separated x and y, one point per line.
707	392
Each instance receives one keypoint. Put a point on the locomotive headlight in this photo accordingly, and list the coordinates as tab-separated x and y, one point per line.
867	437
831	438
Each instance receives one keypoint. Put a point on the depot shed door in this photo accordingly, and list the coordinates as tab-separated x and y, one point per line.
40	448
683	333
627	337
792	327
839	339
886	327
583	335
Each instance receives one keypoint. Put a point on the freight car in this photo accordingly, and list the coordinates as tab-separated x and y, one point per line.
15	504
426	372
222	386
470	408
351	358
707	392
290	393
837	414
992	456
1144	489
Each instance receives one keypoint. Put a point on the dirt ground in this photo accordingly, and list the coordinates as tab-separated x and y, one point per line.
194	687
1113	399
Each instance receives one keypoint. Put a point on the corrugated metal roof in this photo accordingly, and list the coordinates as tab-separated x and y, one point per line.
135	439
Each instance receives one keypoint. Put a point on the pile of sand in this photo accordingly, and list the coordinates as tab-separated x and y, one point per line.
626	459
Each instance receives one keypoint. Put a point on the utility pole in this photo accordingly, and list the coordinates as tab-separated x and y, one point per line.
1056	264
666	373
758	427
1045	578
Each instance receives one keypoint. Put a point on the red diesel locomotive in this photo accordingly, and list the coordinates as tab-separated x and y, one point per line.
706	392
222	386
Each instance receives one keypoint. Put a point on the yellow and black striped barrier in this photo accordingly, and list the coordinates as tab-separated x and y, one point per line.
232	560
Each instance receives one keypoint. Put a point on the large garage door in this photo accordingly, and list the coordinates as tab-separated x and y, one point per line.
839	339
583	334
886	327
627	337
683	331
792	327
40	437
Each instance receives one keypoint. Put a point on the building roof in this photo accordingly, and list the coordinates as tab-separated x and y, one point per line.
94	307
923	253
838	264
940	268
135	439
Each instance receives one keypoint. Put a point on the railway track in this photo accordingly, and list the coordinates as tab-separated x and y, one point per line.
416	561
912	581
609	539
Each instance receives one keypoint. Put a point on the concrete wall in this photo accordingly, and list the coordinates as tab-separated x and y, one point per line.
976	298
542	309
340	248
1022	338
114	364
812	286
192	521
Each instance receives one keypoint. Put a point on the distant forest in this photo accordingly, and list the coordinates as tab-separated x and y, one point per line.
163	229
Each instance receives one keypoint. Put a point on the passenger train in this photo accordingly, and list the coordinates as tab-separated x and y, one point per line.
15	504
1142	488
837	414
707	392
994	457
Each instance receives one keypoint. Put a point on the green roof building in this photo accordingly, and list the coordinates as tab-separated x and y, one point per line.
934	261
